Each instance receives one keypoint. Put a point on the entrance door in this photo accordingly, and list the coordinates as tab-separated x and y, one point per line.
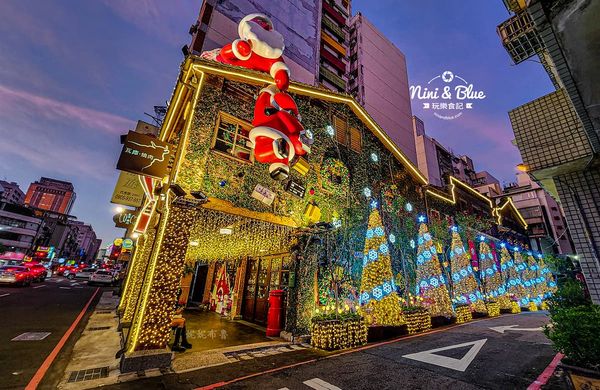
263	275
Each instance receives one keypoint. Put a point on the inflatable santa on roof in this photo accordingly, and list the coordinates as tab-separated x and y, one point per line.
259	47
278	137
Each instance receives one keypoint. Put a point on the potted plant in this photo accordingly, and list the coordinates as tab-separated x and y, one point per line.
574	330
333	331
416	316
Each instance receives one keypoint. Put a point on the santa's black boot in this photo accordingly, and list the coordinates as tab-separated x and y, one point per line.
176	347
279	171
184	342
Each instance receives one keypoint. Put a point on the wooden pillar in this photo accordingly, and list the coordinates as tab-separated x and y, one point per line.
238	290
210	277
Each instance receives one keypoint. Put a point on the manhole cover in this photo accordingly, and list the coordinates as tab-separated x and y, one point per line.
31	336
89	374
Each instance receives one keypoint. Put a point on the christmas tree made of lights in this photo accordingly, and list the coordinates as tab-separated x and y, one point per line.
380	303
491	278
546	286
521	268
512	280
531	279
431	284
465	289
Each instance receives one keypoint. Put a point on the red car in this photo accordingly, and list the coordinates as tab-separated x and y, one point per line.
15	274
38	271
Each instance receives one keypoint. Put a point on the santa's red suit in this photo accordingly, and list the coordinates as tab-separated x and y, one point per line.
260	47
278	136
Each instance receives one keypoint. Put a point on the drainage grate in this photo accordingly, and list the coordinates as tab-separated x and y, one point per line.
98	328
31	336
89	374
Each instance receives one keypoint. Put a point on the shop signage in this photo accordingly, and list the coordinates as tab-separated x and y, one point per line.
125	220
145	155
296	188
128	190
127	243
263	194
118	242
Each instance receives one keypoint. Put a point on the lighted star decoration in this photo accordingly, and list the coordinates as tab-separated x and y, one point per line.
421	218
482	238
367	192
330	130
503	245
373	204
454	228
408	207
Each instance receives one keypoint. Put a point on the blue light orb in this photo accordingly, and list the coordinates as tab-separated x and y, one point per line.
367	192
374	157
408	207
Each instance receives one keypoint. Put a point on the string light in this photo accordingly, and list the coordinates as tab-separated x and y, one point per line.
431	285
380	304
464	285
338	334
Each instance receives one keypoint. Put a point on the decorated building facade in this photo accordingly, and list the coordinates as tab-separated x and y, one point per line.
287	218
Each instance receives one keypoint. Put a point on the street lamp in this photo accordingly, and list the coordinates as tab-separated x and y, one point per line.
135	235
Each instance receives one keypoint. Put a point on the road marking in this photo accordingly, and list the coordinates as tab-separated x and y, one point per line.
31	336
547	373
502	329
39	375
4	295
40	286
65	288
448	362
320	384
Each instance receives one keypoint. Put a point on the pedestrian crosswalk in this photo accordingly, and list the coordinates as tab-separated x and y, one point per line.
237	356
317	384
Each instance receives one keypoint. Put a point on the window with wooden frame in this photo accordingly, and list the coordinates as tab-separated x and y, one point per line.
231	137
346	135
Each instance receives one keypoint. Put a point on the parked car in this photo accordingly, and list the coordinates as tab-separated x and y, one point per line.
83	273
15	274
38	271
102	276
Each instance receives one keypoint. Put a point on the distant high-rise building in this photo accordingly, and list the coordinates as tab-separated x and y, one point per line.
379	81
18	227
51	194
544	216
86	240
10	192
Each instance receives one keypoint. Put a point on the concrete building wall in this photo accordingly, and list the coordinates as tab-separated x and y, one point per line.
10	192
383	84
18	229
297	21
580	196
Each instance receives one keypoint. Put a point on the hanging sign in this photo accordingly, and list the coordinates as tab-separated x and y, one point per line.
296	188
145	155
263	194
127	243
128	190
118	242
125	220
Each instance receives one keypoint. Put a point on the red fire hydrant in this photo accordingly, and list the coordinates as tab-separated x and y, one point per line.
275	316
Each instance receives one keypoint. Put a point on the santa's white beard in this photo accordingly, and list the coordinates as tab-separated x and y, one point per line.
268	44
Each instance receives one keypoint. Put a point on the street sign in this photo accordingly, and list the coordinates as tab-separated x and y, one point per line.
125	220
145	155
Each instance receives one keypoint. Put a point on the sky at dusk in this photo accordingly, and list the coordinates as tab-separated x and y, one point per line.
74	75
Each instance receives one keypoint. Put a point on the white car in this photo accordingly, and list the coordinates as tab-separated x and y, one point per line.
82	274
102	276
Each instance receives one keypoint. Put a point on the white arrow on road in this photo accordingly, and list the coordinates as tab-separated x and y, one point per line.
502	329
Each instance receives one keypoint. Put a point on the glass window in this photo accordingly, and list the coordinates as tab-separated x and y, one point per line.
231	137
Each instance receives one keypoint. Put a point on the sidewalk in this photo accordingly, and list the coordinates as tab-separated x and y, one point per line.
216	342
93	361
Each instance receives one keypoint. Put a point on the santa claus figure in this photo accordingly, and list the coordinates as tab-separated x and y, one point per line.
260	47
278	136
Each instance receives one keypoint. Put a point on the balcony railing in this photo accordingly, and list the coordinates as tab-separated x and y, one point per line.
519	37
333	78
334	28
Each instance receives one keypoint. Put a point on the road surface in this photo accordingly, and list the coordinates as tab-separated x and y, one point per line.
47	307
